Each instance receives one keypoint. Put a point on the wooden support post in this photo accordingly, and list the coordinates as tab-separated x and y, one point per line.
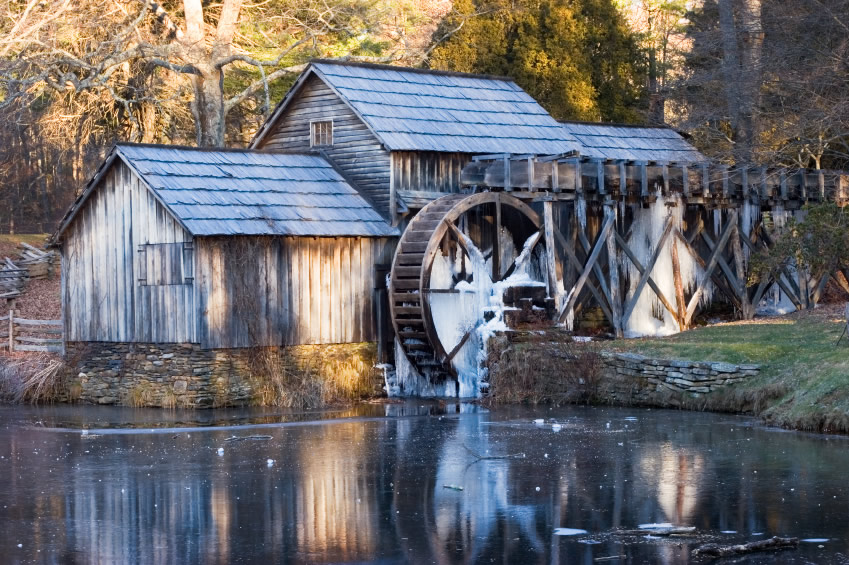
507	187
680	305
599	173
803	186
623	181
613	273
705	180
725	180
736	247
531	174
555	181
579	186
744	181
644	179
550	252
685	179
665	173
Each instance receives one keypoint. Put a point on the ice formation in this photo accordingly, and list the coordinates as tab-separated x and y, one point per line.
650	317
477	310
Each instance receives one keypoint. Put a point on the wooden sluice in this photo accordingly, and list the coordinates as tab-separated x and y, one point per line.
591	208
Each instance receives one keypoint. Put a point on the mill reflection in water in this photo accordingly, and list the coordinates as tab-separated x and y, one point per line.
381	483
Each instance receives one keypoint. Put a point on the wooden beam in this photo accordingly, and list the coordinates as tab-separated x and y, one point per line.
575	263
591	261
555	181
623	181
737	249
599	173
550	252
645	273
613	273
709	267
680	306
507	187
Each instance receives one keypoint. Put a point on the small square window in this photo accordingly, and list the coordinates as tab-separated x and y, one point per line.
321	134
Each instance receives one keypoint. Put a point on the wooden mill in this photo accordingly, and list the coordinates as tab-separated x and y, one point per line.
421	210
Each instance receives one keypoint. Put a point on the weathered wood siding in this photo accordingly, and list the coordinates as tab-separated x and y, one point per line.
288	290
428	170
102	296
355	149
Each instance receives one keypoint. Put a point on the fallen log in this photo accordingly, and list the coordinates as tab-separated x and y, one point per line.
716	550
661	531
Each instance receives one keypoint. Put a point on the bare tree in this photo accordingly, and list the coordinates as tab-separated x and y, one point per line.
47	46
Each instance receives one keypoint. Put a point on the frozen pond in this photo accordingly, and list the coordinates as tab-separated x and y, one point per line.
382	483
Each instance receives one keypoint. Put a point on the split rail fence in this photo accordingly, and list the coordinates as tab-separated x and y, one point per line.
21	334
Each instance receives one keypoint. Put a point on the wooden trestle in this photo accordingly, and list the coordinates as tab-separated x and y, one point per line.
588	252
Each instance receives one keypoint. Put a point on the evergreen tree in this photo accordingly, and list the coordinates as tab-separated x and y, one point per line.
576	57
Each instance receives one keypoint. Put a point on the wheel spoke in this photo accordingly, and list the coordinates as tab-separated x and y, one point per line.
525	255
466	244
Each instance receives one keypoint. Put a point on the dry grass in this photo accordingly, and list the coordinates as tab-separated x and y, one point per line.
319	381
32	378
541	371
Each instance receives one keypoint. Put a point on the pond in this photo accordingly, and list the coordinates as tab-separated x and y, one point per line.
414	482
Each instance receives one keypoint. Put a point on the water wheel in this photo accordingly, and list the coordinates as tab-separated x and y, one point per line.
451	265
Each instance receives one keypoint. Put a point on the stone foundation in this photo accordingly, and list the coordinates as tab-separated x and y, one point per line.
185	375
629	378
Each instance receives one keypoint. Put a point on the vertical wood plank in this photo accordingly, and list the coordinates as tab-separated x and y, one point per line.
357	297
326	274
337	303
346	306
316	322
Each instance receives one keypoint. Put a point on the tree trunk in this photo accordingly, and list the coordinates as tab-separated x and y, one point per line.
742	58
208	107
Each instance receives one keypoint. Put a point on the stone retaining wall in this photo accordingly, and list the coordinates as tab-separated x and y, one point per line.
185	375
629	378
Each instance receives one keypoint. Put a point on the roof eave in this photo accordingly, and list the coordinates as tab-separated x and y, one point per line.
72	212
114	153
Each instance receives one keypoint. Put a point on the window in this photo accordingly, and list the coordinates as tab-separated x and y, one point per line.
321	133
166	263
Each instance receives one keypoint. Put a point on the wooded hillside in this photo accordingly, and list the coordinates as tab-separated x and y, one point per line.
749	80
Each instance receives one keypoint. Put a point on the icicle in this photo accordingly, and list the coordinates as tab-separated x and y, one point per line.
717	221
649	317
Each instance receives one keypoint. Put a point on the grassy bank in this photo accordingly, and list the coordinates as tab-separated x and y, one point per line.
804	382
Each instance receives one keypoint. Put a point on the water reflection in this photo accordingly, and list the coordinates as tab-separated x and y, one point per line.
369	485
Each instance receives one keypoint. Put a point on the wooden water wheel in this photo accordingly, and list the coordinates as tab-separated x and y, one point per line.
448	264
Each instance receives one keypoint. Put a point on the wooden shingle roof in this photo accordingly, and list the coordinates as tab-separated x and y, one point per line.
243	192
632	143
419	110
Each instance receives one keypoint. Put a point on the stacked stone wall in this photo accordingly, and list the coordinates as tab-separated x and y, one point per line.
629	378
185	375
